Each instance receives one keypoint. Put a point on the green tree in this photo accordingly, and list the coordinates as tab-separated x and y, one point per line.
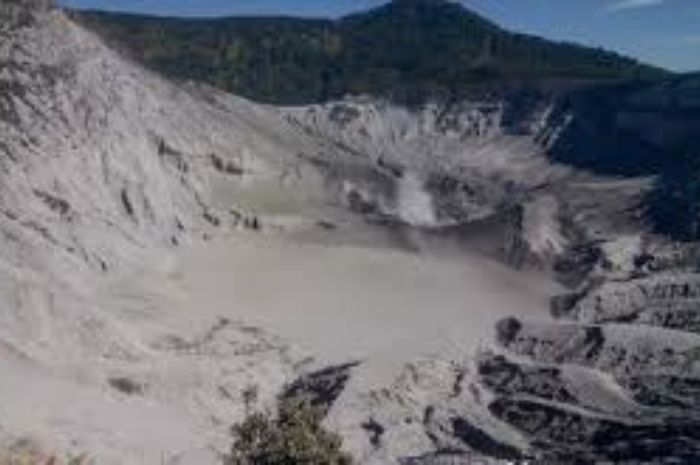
294	437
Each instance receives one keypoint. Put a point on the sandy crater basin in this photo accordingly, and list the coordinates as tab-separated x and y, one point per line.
343	301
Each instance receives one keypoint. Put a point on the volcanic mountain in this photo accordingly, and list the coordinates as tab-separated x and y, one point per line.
167	246
408	50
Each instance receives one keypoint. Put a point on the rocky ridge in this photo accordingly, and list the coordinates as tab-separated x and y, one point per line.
105	168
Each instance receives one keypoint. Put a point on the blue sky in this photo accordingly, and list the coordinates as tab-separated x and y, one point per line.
663	32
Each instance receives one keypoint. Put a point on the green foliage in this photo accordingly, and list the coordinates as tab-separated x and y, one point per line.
294	437
407	50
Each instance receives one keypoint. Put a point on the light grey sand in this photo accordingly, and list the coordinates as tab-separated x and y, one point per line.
347	302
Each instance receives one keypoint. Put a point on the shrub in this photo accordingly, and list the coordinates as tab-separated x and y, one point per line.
294	437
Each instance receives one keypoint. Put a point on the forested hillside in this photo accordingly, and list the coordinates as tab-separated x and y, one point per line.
407	50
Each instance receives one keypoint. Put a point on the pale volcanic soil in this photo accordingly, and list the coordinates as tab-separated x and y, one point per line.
347	299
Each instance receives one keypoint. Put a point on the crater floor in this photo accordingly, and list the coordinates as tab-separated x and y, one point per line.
355	298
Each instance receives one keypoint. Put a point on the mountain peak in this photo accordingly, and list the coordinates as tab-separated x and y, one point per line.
432	7
426	19
431	3
424	3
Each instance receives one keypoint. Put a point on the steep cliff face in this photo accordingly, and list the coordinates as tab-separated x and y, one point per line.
639	129
476	157
103	162
105	168
628	129
474	162
83	186
461	157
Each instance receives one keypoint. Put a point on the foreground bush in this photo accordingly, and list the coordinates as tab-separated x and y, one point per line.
294	437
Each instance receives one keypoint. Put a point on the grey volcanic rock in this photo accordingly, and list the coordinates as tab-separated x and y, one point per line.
435	412
106	168
566	436
625	390
18	13
669	300
440	166
606	384
320	389
615	349
573	415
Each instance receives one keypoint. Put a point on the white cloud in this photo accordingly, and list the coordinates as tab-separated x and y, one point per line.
693	39
623	5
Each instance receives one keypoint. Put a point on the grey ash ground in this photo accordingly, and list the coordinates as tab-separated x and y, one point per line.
167	248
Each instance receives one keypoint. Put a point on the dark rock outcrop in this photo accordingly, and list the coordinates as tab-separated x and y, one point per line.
320	389
620	384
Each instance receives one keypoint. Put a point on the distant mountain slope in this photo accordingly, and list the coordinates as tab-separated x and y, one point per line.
407	49
650	129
